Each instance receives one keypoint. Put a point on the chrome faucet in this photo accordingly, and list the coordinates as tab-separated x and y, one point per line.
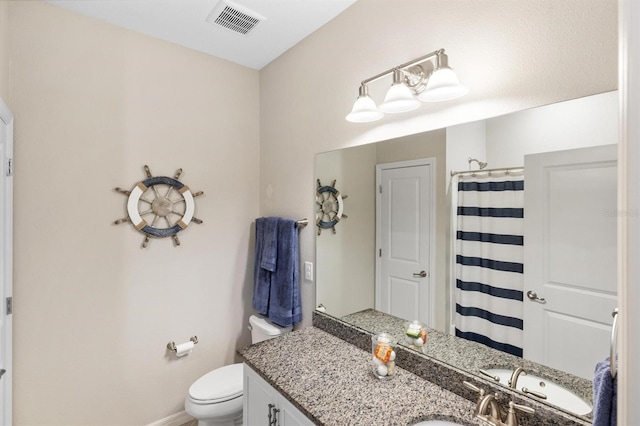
489	403
494	417
513	381
511	419
488	409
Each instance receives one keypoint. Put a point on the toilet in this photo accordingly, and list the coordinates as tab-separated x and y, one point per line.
215	399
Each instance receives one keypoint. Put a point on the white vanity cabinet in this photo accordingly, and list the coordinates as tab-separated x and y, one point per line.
265	406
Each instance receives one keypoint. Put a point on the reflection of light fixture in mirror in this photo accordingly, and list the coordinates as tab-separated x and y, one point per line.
409	81
364	109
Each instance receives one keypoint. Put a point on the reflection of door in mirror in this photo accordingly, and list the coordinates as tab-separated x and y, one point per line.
405	239
570	256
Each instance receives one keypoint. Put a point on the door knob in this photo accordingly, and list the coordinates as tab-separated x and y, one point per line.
533	296
420	274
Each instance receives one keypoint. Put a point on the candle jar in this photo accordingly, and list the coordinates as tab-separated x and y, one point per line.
383	361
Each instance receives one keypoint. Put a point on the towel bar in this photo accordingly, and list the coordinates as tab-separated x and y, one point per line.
614	344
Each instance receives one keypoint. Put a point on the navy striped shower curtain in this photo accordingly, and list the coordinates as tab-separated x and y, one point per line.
489	256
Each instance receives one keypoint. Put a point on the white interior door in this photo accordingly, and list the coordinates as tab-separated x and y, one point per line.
405	220
6	289
570	257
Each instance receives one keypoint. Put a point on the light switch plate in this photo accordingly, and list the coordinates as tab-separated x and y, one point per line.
308	271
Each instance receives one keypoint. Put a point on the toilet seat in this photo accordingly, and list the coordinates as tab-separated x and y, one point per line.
220	385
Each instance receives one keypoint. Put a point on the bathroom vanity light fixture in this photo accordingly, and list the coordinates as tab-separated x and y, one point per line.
410	86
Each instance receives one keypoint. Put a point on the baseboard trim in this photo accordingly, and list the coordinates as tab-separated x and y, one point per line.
176	419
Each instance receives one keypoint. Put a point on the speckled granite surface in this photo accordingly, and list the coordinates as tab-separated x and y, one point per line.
449	367
330	381
466	355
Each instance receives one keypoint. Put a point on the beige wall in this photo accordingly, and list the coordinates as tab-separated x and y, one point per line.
579	123
93	311
512	55
4	50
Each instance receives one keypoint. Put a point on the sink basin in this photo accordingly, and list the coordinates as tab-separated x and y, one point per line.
556	394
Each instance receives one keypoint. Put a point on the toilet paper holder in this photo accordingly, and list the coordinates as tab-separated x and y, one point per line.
172	345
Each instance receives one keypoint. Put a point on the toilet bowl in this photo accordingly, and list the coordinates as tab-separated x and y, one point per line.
215	399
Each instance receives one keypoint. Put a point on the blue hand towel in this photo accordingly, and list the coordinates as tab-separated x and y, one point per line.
262	276
604	395
284	296
269	244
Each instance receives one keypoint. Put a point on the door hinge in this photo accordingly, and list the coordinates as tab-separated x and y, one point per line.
380	253
9	166
380	188
9	305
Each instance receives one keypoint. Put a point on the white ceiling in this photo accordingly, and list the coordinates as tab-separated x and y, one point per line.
184	22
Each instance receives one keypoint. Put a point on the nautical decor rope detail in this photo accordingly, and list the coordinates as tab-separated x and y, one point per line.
166	202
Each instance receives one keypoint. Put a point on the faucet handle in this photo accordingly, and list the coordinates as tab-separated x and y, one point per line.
511	419
534	393
480	391
473	387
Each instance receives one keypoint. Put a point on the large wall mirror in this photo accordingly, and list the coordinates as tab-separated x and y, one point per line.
561	271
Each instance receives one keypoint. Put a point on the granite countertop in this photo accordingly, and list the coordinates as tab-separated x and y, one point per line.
464	354
448	362
331	382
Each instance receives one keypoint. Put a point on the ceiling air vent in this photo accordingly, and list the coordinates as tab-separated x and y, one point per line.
234	17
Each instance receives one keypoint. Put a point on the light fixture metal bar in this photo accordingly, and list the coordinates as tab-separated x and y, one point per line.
402	66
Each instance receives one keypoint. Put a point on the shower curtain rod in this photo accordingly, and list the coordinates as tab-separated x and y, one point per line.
503	169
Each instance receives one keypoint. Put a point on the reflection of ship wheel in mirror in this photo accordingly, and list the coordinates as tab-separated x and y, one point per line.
330	207
160	206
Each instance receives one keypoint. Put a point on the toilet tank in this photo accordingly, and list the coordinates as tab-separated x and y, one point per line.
261	329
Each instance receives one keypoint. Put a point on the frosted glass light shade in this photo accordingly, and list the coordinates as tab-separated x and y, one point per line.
364	110
443	85
399	99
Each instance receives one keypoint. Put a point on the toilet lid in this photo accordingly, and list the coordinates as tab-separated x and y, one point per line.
219	385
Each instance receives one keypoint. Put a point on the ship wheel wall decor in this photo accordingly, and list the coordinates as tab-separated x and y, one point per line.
330	207
167	202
